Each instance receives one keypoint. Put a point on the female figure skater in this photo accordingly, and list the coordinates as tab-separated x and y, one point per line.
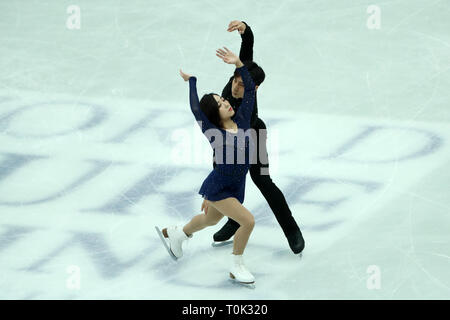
223	189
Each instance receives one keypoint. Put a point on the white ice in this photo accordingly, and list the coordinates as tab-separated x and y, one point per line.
98	145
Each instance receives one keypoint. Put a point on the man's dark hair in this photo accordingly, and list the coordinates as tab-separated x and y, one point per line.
256	72
210	108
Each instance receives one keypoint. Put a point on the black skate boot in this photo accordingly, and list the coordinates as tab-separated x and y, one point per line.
222	236
296	241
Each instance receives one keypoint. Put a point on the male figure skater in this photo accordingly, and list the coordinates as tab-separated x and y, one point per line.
234	92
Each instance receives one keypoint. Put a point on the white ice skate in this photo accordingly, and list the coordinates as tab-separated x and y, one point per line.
172	239
240	273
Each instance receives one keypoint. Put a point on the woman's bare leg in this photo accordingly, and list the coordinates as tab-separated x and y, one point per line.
202	221
232	208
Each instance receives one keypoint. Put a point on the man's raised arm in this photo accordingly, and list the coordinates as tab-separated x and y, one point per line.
246	52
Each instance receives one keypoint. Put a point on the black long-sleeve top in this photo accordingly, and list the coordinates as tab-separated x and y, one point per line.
245	54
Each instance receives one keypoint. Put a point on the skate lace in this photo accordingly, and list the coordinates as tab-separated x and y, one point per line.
243	269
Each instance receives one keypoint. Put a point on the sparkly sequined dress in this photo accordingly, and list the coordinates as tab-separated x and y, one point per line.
233	152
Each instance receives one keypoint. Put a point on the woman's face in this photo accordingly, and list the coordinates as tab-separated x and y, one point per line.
225	109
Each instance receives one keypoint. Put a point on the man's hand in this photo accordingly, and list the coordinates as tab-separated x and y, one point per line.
236	25
229	57
185	76
204	206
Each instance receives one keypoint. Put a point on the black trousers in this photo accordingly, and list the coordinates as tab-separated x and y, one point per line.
259	173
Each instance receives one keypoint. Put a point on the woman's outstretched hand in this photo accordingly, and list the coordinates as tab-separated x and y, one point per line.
229	57
185	76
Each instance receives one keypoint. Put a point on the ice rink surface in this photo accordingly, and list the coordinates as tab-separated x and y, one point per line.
98	145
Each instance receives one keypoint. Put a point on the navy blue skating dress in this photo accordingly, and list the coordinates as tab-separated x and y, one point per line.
233	151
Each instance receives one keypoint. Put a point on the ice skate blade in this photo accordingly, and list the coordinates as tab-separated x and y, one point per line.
161	236
221	243
250	285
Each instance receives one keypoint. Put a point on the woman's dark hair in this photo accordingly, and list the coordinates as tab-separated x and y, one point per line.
256	72
210	108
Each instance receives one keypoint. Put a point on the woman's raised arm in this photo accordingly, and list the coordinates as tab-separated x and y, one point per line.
201	118
248	101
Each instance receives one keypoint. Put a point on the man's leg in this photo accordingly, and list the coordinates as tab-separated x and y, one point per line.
259	173
273	195
227	231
